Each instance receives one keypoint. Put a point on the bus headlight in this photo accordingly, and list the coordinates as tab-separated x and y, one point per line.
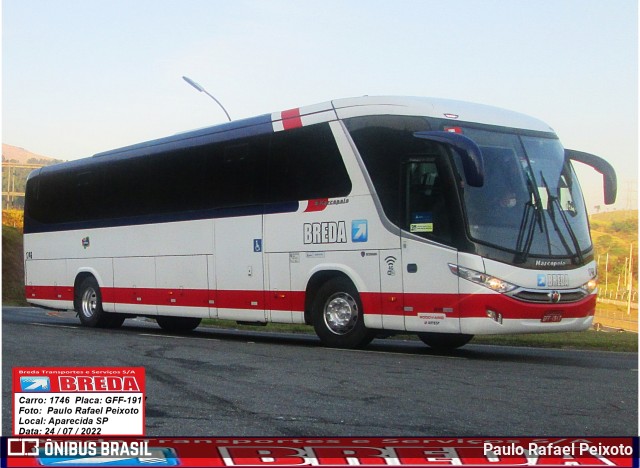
488	281
590	285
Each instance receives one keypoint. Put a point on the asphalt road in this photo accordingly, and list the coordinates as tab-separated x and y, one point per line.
238	383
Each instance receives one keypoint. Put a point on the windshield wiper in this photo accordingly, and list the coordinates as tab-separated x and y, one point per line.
553	200
532	215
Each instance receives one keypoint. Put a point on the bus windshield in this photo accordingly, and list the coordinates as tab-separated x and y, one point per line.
530	202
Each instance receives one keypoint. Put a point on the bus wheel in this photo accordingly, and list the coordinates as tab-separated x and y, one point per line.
178	324
89	306
338	316
444	341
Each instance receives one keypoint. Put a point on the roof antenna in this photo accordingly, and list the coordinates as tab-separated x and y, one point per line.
202	90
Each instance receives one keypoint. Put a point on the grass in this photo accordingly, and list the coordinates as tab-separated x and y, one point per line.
593	340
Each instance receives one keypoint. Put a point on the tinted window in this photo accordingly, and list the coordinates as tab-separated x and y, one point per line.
427	211
292	165
130	188
64	196
306	164
237	174
384	142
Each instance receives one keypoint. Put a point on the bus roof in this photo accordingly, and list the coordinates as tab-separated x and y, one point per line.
332	110
438	108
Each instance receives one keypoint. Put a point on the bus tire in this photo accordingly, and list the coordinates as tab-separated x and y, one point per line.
88	305
338	317
444	341
115	320
178	324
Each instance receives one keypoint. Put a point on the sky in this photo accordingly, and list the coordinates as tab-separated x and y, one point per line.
84	76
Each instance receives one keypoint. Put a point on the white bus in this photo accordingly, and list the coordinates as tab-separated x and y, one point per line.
358	216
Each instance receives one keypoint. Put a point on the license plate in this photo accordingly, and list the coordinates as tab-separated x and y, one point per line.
551	317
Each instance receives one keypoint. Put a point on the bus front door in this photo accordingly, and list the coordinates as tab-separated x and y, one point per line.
430	289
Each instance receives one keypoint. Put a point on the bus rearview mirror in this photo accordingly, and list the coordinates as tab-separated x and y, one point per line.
603	167
470	154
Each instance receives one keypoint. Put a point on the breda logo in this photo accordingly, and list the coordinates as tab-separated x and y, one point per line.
331	232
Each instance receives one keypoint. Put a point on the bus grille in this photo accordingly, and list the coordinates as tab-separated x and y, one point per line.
544	297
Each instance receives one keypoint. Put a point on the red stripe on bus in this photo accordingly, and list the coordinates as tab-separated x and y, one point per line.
55	293
291	119
316	205
477	305
159	297
387	303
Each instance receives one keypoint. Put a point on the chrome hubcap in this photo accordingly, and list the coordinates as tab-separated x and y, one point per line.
341	313
89	302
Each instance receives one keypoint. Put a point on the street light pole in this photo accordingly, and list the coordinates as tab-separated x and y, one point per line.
202	90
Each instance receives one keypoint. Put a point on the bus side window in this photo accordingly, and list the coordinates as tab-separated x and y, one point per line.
426	212
130	188
87	191
305	164
240	173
